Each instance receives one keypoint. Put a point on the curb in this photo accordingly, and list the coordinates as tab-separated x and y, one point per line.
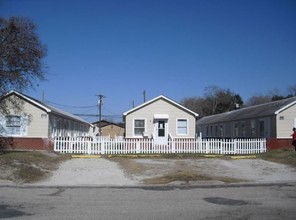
86	156
214	155
157	155
132	155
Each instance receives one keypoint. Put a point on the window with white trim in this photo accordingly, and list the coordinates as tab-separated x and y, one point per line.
182	126
139	127
13	125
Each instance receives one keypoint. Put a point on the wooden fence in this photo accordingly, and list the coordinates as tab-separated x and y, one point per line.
99	145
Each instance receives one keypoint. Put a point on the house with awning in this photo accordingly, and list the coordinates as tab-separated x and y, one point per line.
160	119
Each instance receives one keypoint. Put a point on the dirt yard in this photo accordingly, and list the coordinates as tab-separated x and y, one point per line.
157	171
55	170
135	172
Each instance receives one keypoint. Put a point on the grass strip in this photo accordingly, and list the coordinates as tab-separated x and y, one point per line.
187	177
30	166
284	156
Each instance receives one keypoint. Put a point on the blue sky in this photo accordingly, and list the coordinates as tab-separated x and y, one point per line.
174	48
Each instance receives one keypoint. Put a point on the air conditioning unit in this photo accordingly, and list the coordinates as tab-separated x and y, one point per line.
145	134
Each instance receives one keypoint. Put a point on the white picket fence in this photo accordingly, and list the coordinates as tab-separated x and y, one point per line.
99	145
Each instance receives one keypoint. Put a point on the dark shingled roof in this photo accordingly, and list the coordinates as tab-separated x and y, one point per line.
266	109
104	123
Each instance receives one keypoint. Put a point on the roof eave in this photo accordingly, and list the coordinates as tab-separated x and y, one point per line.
47	110
30	100
159	97
285	107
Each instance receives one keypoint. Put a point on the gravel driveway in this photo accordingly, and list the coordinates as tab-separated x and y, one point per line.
88	171
104	172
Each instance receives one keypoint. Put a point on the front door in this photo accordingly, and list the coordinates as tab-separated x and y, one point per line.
161	131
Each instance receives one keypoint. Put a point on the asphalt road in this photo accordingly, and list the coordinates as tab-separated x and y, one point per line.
253	201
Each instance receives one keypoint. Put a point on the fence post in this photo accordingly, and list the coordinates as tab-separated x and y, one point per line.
102	143
234	146
199	145
88	147
207	146
173	146
66	149
137	147
71	143
55	143
262	144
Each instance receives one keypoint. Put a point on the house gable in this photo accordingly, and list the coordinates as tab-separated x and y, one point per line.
33	120
159	98
110	129
44	107
40	119
255	121
285	121
159	109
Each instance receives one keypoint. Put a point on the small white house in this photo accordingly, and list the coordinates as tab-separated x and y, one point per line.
160	119
273	120
270	120
37	119
32	120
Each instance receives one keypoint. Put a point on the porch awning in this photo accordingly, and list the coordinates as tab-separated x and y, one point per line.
161	116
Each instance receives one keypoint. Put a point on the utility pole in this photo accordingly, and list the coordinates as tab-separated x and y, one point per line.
144	95
100	103
43	96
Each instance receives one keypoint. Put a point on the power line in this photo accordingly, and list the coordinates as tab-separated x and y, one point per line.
70	106
96	115
100	102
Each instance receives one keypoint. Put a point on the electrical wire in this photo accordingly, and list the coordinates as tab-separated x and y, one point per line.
87	115
70	106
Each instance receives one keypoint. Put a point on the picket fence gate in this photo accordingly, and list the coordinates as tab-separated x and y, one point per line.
101	145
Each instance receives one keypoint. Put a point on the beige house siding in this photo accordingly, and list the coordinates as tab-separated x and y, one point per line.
112	131
35	119
285	122
160	106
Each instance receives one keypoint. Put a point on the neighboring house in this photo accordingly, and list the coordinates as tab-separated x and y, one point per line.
37	120
110	129
273	120
160	119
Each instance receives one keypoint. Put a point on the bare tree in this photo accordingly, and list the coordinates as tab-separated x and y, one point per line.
292	90
258	99
21	54
215	100
211	100
194	104
218	100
